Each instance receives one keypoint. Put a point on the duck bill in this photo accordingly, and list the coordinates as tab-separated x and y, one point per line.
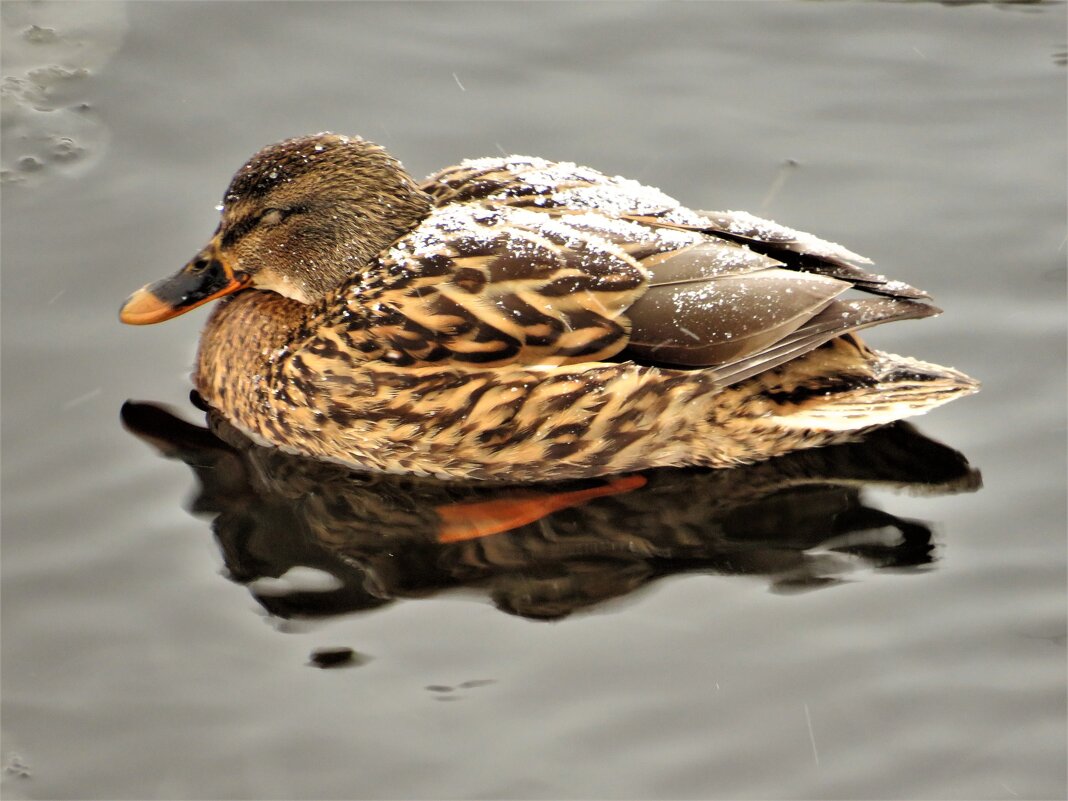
203	279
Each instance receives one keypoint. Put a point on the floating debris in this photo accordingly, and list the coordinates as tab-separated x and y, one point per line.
337	657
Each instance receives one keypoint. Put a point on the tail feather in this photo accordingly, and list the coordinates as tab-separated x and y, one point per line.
895	388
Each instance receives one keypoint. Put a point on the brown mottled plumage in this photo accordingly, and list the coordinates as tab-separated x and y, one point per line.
519	319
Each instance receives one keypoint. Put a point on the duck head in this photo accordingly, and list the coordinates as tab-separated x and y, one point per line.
299	218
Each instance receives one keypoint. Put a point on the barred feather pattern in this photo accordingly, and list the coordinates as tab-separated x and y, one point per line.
491	286
551	423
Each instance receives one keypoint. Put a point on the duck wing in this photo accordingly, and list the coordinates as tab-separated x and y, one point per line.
528	182
795	250
705	308
542	263
493	285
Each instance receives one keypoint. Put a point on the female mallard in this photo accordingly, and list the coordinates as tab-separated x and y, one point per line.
519	319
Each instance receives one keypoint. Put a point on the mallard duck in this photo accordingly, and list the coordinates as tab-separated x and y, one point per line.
517	319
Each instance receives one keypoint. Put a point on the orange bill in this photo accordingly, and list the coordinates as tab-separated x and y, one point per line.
201	280
468	521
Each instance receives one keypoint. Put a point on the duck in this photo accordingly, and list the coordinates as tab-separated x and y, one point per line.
515	319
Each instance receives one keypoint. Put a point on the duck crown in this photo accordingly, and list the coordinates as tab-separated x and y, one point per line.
303	215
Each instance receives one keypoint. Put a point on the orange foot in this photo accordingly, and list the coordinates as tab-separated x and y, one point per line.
468	521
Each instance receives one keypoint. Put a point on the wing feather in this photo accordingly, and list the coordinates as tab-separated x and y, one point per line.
537	262
725	317
493	285
803	251
838	318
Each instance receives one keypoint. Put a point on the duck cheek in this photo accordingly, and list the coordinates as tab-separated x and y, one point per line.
285	285
197	283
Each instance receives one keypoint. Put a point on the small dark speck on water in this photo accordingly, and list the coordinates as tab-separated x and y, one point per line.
336	658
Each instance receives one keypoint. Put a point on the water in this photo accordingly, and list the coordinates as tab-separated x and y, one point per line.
761	652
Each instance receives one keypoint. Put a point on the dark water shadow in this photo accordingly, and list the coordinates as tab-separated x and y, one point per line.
545	551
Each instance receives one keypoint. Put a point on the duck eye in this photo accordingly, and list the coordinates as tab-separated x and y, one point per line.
272	217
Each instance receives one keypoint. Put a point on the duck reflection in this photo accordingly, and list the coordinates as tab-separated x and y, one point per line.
547	550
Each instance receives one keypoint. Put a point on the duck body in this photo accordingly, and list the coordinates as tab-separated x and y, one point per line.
521	320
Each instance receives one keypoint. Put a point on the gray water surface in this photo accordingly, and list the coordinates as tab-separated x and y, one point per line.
929	137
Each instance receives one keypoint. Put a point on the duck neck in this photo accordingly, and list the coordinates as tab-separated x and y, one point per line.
240	341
